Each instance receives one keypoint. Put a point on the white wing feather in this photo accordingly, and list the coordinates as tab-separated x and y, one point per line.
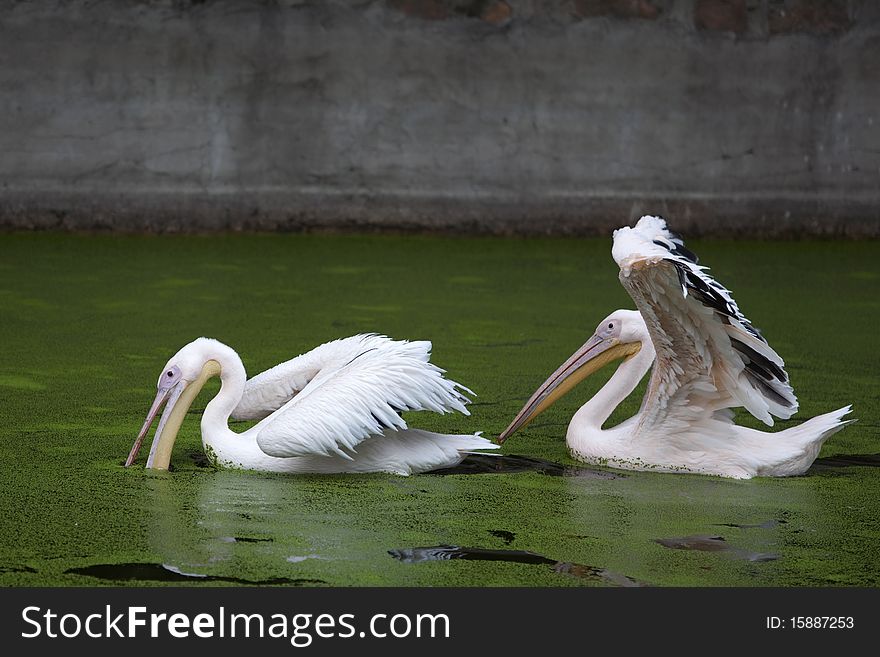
709	357
270	390
341	406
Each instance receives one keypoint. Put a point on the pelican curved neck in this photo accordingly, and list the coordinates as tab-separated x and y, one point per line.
218	410
598	409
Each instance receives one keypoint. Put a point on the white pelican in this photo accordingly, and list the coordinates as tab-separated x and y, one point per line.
707	359
334	409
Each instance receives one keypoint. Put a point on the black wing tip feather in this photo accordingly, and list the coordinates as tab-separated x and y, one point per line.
751	329
674	243
709	292
706	293
678	249
758	363
686	253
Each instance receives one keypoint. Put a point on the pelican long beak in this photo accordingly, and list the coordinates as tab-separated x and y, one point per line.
166	432
592	356
162	396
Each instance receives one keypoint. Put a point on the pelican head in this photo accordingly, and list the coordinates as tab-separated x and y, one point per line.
620	335
179	383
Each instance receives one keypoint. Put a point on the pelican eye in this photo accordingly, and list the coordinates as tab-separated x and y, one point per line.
611	326
169	373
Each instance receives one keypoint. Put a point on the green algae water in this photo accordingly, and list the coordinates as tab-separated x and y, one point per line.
86	323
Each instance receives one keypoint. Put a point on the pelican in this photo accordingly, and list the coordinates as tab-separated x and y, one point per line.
707	359
334	409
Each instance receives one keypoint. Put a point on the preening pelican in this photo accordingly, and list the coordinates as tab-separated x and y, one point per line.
334	409
707	359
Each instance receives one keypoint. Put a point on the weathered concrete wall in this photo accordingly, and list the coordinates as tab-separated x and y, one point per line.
497	116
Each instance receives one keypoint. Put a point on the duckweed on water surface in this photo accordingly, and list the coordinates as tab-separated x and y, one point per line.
86	323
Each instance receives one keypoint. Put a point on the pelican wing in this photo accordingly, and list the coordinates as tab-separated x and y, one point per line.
709	356
270	390
344	405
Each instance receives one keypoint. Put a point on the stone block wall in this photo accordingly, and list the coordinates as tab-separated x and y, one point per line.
756	117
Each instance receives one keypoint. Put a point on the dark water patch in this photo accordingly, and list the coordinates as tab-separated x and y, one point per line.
16	569
504	535
199	458
767	524
847	461
513	464
244	539
486	464
158	572
452	552
703	543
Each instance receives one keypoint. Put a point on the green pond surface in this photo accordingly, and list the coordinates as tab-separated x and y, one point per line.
87	322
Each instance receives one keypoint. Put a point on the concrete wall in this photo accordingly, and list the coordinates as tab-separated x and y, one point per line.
729	116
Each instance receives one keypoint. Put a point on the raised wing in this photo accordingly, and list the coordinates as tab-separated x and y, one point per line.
340	407
272	389
709	356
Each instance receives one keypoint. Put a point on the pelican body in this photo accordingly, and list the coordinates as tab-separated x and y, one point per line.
707	359
334	409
